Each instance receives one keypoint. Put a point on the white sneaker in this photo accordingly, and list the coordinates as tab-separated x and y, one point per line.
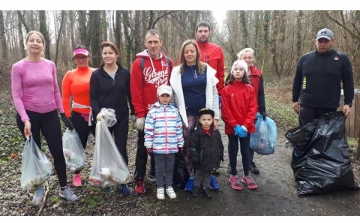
160	193
170	192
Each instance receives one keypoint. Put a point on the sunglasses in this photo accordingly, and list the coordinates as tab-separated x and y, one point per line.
80	58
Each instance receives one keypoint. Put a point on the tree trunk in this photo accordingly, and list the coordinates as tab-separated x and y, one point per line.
44	31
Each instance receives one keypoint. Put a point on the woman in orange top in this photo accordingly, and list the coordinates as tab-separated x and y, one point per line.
76	86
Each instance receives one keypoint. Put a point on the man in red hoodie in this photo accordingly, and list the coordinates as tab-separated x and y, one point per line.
150	70
213	55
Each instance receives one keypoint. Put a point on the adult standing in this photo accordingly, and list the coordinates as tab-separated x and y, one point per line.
37	101
213	55
76	88
256	79
150	70
110	88
194	85
317	82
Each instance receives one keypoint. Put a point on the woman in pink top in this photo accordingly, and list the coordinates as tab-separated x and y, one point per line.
37	101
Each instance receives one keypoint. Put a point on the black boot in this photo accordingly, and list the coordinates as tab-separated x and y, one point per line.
195	191
207	193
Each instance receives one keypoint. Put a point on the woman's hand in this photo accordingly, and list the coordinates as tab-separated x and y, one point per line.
216	124
27	128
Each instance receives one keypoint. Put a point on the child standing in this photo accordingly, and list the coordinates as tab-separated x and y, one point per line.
238	111
206	150
164	138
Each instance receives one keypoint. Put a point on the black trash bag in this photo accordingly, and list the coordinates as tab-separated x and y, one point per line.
324	165
181	175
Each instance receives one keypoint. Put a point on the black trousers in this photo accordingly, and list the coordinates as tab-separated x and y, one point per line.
141	158
307	114
49	125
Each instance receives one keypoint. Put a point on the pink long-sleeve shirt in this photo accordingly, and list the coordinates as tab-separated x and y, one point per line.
35	88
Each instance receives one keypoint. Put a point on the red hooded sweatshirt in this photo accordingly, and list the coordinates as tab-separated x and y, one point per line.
214	56
144	83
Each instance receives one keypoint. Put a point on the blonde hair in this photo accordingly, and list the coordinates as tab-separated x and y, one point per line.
201	66
39	34
245	50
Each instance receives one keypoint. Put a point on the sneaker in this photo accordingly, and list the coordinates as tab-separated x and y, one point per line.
139	187
170	192
160	193
151	177
235	182
253	168
189	185
77	180
215	171
207	193
250	182
124	189
38	196
67	194
213	184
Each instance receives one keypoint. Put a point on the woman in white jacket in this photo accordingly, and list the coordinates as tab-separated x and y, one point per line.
194	86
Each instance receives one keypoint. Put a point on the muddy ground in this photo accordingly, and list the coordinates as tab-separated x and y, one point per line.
275	196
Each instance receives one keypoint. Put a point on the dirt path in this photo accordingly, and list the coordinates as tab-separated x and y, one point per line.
276	194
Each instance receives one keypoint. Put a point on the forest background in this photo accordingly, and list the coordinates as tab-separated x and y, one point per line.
279	38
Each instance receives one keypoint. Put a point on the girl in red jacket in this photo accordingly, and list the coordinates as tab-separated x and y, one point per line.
238	111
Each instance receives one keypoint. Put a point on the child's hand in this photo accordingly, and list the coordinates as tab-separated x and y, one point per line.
149	151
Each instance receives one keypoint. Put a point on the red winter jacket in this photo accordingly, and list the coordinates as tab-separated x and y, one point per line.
144	83
214	56
238	106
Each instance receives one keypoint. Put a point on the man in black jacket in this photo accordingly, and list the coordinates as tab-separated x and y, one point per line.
317	83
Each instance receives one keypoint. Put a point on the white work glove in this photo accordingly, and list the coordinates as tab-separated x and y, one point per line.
140	122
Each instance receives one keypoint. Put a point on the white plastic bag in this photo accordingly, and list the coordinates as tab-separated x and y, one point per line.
35	167
74	152
108	114
108	167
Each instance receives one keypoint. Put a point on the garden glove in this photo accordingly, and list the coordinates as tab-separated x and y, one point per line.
140	123
67	121
240	131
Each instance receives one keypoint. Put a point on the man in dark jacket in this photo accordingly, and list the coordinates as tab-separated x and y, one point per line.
317	83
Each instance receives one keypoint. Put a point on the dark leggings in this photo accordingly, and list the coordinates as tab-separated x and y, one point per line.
141	158
82	128
307	114
244	149
120	131
49	125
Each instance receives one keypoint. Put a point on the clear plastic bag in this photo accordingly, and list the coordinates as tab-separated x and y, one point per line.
263	141
108	114
108	167
74	152
35	166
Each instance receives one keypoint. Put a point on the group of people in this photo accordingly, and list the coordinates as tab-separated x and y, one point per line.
176	107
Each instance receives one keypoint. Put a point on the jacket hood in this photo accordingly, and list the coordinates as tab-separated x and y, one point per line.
145	54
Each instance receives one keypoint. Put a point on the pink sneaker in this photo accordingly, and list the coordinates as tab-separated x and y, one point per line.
77	180
235	182
250	182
